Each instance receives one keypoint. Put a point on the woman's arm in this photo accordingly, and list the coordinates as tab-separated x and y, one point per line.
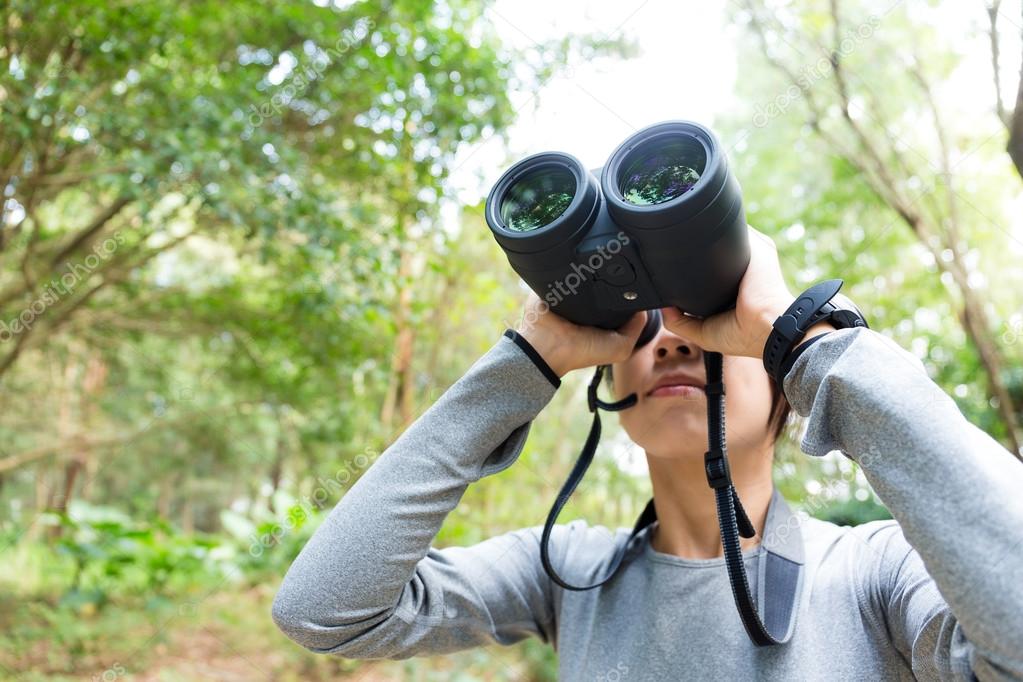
368	584
957	494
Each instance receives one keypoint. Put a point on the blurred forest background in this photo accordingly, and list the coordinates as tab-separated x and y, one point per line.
233	269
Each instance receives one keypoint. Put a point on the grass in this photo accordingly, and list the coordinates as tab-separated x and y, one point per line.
213	629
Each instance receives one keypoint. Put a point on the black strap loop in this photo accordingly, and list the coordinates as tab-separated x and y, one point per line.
578	471
593	402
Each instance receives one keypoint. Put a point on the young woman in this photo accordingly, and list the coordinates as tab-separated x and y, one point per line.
935	594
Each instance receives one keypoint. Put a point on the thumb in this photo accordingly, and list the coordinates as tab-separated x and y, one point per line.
683	325
616	345
634	327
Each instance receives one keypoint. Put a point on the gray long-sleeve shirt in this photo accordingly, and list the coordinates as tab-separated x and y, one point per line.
935	594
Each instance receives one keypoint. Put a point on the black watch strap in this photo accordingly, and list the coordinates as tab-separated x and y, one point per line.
790	359
810	307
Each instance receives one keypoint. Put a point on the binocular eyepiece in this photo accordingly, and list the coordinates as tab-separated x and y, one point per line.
664	226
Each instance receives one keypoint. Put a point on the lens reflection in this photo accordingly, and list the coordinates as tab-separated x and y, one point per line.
538	199
662	171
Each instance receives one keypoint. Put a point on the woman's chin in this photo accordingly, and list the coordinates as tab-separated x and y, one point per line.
667	425
673	439
676	451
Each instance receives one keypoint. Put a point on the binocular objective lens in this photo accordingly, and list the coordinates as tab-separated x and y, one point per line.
538	199
659	172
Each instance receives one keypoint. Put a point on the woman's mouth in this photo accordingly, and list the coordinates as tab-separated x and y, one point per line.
684	390
677	384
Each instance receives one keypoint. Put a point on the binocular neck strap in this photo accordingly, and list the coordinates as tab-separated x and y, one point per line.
578	471
782	574
780	577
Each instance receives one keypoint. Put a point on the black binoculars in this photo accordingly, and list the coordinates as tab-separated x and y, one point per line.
664	226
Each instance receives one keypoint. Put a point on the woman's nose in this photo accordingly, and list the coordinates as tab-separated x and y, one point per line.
669	345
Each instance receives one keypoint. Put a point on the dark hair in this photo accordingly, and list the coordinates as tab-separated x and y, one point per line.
780	408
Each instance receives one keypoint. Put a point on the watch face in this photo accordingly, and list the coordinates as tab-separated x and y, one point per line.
847	315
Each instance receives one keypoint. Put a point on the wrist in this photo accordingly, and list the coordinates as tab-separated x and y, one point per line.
813	314
817	329
547	348
765	324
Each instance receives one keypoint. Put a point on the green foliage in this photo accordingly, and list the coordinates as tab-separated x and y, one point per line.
245	201
812	183
111	554
274	180
853	512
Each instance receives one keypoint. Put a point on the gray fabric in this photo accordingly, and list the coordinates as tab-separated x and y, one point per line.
936	595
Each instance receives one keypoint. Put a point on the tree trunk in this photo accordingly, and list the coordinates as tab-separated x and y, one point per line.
187	513
277	468
163	500
870	156
59	493
1013	120
974	320
1015	146
400	387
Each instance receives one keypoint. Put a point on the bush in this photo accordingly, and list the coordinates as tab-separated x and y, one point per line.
109	553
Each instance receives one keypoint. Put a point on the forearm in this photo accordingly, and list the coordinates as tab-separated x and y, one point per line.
953	489
356	566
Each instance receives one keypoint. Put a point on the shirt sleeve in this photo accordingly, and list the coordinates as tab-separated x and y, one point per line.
904	601
946	578
368	584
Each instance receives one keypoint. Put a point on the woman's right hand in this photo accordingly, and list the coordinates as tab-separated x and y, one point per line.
566	346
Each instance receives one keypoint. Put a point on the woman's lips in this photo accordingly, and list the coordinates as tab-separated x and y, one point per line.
684	390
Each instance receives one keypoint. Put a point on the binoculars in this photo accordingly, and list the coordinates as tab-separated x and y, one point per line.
663	226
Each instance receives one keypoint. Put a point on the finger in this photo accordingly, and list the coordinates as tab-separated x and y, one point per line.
758	234
683	325
634	327
619	344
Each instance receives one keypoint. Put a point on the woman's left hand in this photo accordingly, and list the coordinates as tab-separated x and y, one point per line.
744	329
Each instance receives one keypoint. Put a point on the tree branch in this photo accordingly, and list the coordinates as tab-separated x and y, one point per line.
57	318
992	17
86	235
21	458
1015	145
871	164
69	179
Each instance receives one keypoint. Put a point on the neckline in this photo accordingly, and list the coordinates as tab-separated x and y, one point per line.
660	557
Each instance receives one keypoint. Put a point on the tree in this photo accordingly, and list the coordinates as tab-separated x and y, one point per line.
129	129
847	113
1012	119
233	211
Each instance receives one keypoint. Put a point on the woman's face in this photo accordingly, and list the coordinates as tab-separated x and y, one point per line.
670	418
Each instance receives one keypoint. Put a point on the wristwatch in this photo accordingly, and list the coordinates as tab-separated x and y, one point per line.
819	303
